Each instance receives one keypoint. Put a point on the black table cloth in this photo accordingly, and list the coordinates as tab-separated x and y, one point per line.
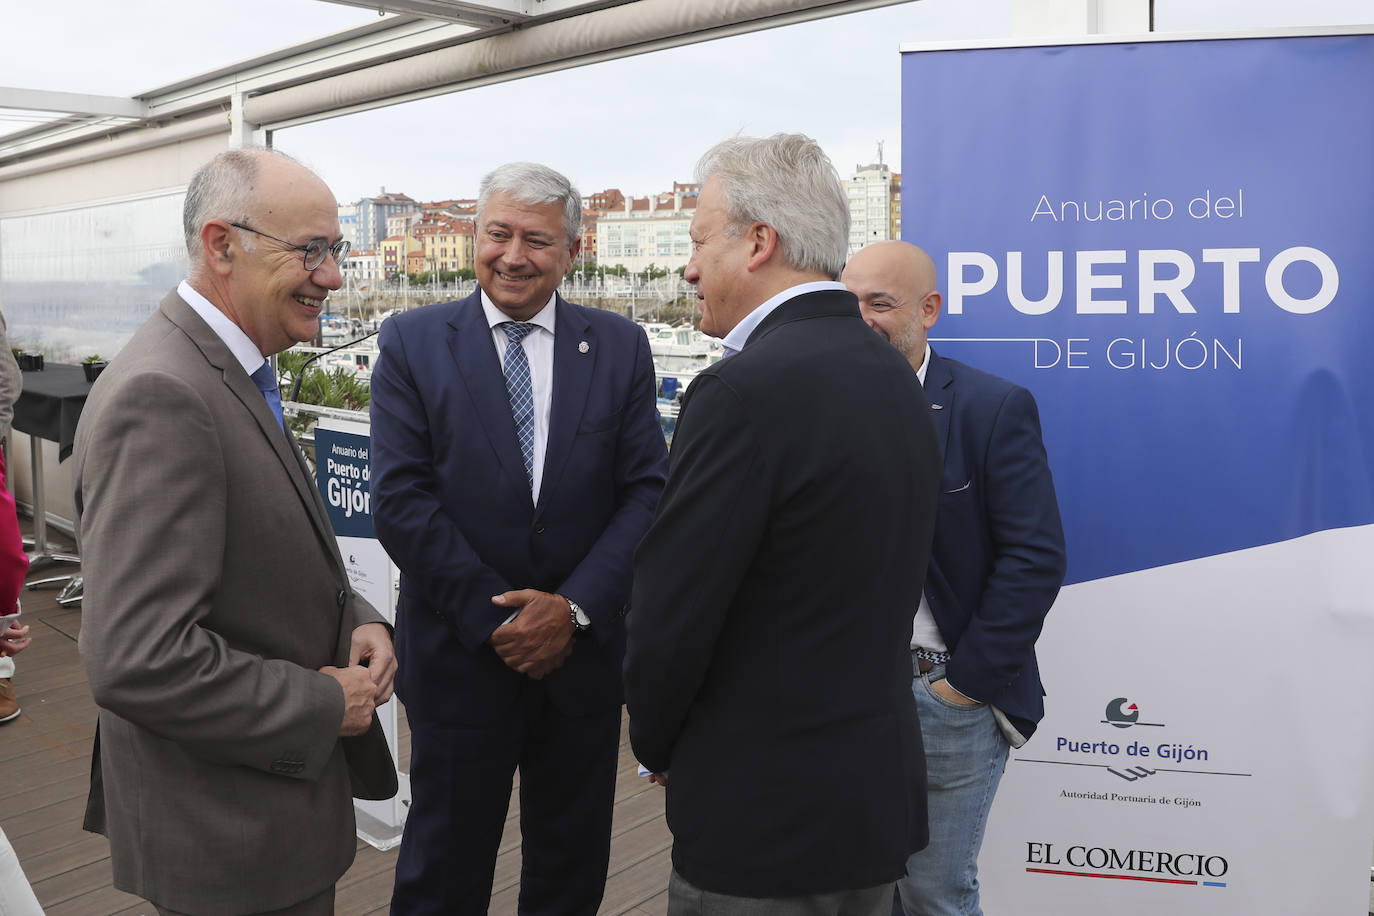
50	405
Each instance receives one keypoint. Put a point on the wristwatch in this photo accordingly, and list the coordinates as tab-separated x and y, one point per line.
580	621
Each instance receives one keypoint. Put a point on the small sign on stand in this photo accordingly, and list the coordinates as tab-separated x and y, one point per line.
343	471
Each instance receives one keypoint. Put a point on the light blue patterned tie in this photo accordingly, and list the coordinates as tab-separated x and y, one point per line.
266	380
521	390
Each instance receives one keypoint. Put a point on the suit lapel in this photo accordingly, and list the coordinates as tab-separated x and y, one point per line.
285	450
315	502
470	343
574	357
940	393
217	354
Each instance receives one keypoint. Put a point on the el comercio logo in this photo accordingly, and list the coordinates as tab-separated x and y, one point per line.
1156	866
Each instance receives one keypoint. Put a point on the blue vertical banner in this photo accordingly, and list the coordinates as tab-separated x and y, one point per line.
343	473
1168	242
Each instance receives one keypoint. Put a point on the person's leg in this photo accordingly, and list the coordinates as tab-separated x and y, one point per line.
9	704
685	899
460	782
16	896
322	904
871	901
965	757
567	793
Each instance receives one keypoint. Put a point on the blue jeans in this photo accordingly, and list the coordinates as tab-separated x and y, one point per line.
965	756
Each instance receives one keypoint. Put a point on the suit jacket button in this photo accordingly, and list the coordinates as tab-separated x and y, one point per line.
539	528
342	597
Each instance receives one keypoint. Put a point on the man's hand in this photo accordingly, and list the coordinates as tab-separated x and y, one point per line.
358	692
14	639
540	638
942	690
371	647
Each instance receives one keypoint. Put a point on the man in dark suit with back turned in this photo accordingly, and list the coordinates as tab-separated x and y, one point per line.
224	646
517	457
767	675
995	569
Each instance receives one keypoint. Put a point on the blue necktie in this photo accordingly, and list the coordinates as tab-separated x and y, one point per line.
266	380
521	391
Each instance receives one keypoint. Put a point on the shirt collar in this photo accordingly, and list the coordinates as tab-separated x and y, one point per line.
737	337
545	318
244	350
925	364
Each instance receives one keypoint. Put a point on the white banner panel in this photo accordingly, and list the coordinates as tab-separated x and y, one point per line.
1207	748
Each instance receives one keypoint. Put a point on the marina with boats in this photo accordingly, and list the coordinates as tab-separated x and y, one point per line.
347	349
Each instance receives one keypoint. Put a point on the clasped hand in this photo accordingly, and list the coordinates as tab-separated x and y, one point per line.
540	638
367	681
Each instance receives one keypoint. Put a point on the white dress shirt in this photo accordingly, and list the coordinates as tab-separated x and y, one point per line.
244	350
739	335
538	346
925	633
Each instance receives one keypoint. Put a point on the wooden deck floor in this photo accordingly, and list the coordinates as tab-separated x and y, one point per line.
45	756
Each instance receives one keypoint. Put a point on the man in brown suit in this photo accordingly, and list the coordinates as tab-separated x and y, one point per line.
235	670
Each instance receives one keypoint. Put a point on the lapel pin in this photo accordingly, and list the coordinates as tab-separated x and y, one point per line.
937	407
583	347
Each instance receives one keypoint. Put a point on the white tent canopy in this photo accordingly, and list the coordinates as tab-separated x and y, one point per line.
422	48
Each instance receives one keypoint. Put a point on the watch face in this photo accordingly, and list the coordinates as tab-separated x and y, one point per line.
581	617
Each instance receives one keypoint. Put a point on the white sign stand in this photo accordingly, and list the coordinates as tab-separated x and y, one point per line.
374	577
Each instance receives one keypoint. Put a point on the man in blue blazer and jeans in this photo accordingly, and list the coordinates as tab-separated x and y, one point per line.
995	568
516	458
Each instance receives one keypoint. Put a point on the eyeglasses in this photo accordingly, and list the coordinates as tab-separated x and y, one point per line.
314	251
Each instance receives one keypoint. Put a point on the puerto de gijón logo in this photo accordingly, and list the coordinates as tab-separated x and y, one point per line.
1122	713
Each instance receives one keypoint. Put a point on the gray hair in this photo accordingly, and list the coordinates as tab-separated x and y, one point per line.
224	188
788	182
532	183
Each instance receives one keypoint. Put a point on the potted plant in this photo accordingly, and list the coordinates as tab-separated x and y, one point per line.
92	366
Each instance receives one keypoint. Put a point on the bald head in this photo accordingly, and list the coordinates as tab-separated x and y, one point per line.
231	187
895	283
897	264
252	216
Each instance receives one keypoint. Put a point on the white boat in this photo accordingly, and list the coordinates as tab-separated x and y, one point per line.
335	330
681	346
355	360
359	359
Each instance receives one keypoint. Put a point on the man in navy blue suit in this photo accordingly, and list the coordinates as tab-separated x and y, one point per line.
995	568
517	459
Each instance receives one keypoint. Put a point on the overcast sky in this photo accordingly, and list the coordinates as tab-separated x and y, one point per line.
637	124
